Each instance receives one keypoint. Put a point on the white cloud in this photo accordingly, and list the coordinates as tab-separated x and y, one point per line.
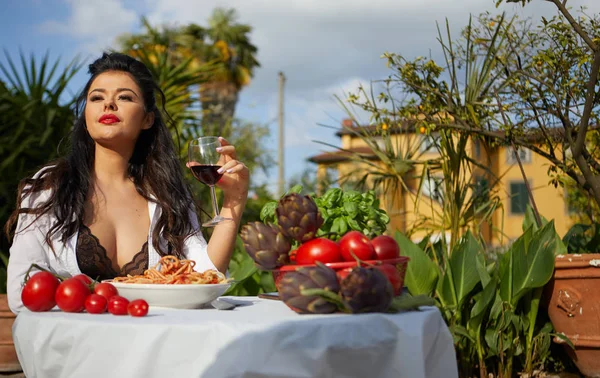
94	23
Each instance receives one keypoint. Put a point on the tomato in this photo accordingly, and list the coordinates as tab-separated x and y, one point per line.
354	242
117	305
96	304
105	289
341	274
71	294
293	255
392	275
385	247
38	293
85	279
138	307
319	249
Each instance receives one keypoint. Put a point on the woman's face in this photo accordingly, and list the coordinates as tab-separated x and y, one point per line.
114	111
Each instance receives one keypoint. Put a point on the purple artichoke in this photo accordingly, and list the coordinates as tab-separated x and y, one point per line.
292	284
266	244
299	217
366	290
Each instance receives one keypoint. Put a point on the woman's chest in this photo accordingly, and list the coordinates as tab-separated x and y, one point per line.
121	225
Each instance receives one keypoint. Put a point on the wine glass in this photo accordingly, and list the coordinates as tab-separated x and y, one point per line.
204	161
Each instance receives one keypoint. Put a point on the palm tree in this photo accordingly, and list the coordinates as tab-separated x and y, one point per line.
177	72
224	46
227	43
36	113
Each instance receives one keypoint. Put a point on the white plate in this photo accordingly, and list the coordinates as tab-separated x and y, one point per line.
172	296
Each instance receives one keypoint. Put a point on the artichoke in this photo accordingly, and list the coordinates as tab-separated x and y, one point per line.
266	244
292	284
366	290
299	217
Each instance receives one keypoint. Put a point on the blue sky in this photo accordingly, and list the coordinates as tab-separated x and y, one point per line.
324	47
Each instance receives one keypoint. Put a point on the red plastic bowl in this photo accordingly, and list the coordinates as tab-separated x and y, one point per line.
400	263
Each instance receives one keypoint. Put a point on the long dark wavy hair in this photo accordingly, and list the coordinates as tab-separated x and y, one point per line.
154	168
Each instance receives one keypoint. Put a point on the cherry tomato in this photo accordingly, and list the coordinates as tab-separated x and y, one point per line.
392	275
138	307
71	294
385	247
117	305
96	304
38	293
85	279
105	289
319	249
354	242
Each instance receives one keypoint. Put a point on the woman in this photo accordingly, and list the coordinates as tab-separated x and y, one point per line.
118	201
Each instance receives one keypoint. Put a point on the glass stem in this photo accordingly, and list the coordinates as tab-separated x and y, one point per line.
214	200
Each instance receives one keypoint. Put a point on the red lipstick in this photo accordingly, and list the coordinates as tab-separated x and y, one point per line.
108	119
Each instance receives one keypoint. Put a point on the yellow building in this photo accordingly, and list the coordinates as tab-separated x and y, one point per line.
406	210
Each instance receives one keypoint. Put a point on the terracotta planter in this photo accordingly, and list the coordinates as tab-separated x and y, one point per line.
8	356
573	300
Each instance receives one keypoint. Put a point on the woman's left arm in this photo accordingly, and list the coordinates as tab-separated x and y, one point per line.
234	183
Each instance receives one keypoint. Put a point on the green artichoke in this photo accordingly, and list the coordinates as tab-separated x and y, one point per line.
266	244
299	217
366	290
292	284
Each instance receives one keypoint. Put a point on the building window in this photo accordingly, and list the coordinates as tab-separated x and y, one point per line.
481	190
430	143
432	188
524	155
518	198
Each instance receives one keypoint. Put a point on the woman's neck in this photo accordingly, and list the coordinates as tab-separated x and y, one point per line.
111	166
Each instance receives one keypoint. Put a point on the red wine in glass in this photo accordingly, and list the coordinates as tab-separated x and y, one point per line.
204	160
207	173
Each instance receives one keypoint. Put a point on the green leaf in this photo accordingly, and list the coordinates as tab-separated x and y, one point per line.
484	300
339	226
332	197
353	224
528	265
463	262
409	302
458	330
421	272
267	213
351	209
294	189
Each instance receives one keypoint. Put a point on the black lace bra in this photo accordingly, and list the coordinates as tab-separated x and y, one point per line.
94	262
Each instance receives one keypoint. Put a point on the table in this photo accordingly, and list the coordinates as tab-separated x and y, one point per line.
262	338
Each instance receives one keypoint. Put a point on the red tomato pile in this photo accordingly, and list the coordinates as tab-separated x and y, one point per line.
43	290
352	246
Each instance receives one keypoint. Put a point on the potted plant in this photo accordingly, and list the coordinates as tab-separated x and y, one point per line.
8	356
572	297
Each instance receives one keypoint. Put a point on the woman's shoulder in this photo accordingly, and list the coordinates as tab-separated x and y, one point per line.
43	171
35	187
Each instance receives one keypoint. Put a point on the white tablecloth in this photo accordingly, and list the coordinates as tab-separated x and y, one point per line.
264	338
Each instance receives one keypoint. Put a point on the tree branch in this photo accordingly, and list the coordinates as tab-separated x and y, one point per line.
589	105
562	7
538	219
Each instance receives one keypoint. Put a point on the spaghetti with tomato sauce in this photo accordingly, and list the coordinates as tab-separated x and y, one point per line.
173	271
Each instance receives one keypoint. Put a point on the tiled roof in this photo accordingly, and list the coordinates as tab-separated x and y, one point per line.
339	155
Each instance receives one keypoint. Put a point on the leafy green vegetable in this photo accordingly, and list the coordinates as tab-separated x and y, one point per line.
342	211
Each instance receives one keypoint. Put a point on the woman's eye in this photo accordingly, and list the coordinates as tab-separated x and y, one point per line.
95	98
125	98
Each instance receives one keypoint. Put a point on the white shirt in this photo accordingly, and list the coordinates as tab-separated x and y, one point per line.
29	247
